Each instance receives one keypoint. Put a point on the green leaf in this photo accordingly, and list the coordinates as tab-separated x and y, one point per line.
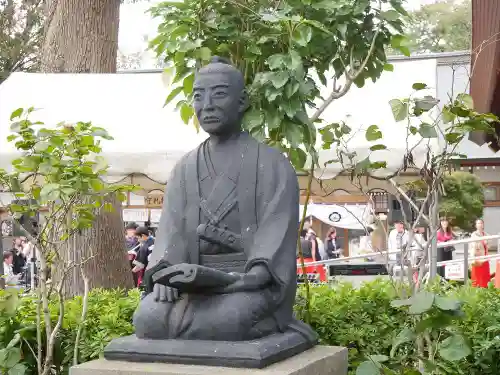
275	61
398	41
87	140
373	133
368	368
426	103
378	147
421	303
173	94
447	303
186	112
253	118
453	138
205	53
293	133
427	131
404	336
18	369
396	4
298	158
447	116
454	348
187	84
401	302
291	88
390	15
273	119
49	192
466	100
16	114
11	357
419	86
279	79
388	67
302	35
399	109
378	358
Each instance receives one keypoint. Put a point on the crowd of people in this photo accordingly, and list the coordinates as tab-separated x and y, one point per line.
139	243
15	260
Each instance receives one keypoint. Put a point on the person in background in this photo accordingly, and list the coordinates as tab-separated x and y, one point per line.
8	270
318	247
480	269
132	245
398	240
331	247
19	260
444	234
146	245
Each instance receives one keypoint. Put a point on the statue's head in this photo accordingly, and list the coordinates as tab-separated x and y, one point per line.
219	97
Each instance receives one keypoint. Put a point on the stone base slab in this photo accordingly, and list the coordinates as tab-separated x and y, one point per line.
320	360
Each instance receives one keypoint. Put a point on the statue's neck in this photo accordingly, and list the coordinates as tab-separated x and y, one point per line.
220	140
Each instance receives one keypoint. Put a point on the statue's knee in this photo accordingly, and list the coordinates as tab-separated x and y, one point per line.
149	319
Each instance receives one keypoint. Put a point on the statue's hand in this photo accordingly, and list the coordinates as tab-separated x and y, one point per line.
257	278
165	294
147	281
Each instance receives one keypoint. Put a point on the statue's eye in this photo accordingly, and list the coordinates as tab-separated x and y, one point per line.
220	94
197	96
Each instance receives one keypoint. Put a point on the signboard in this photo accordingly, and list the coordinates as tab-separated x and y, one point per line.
135	215
154	199
454	271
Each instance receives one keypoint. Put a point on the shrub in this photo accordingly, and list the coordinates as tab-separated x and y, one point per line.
361	319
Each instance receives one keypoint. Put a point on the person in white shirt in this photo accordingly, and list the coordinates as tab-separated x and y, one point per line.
398	239
8	271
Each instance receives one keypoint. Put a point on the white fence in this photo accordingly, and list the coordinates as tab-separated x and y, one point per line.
463	260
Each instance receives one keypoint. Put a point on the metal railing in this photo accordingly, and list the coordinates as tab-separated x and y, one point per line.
463	260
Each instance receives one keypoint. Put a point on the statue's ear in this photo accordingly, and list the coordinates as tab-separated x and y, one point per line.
244	102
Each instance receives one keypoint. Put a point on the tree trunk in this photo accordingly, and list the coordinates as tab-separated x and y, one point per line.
81	36
108	266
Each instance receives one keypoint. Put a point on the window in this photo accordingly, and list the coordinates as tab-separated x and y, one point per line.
380	201
490	193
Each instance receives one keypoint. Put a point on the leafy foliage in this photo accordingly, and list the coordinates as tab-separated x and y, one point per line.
443	26
109	315
62	170
21	26
462	201
287	51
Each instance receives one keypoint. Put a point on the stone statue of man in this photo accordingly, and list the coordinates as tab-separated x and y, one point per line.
228	231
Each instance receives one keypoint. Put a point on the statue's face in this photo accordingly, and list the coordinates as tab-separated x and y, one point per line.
218	103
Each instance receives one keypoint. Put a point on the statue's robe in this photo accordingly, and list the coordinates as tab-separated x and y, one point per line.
257	197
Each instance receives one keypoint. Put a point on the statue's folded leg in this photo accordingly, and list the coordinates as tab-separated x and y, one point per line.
228	317
157	319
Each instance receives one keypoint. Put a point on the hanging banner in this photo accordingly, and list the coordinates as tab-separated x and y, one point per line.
135	215
155	215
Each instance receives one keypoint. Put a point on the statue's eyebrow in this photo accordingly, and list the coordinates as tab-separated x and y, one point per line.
215	86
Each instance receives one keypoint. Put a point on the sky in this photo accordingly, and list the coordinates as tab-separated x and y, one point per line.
135	24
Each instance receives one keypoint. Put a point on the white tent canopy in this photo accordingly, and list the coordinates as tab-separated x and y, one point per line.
346	216
148	138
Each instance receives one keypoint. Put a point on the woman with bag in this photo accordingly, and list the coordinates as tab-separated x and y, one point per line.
444	234
480	269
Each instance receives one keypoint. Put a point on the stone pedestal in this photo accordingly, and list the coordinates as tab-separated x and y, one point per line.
320	360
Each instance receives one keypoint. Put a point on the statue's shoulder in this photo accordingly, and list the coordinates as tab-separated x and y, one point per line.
272	157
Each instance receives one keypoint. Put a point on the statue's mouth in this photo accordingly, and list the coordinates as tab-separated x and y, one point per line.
210	119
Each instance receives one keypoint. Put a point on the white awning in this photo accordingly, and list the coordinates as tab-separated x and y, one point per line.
346	216
148	138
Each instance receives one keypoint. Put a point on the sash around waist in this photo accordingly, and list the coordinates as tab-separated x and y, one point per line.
232	262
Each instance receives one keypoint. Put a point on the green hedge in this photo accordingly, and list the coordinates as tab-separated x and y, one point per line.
360	319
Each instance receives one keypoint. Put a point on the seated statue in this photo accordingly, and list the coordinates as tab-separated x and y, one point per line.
227	235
